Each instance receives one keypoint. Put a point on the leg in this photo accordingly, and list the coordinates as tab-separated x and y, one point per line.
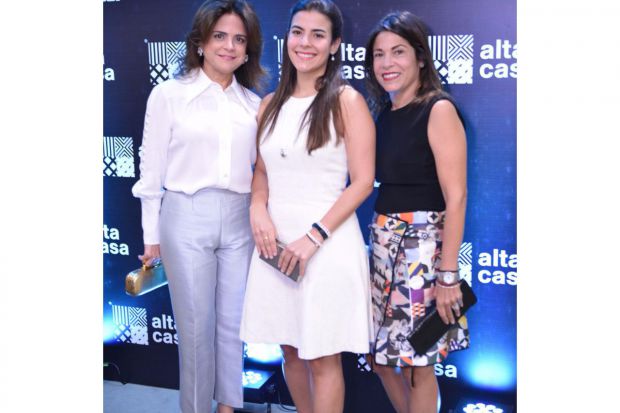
423	396
297	375
233	263
328	384
191	267
396	388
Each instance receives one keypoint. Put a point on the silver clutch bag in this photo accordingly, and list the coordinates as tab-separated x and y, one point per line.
144	279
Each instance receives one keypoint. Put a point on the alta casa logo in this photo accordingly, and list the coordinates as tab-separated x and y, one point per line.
441	370
118	158
108	73
497	267
111	242
453	56
164	59
132	326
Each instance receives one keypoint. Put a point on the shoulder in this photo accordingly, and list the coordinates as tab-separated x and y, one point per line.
443	108
264	102
350	98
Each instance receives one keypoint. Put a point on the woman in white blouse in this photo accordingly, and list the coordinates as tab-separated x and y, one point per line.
196	161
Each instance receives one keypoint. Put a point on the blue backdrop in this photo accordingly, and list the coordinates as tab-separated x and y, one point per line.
475	50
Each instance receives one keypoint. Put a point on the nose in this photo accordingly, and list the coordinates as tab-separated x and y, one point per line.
229	43
304	41
386	61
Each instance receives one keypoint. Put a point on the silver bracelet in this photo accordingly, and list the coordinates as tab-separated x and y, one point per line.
314	240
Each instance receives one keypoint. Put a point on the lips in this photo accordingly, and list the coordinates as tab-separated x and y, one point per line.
226	57
305	56
389	76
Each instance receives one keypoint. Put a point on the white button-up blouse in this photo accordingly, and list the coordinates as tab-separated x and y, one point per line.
196	135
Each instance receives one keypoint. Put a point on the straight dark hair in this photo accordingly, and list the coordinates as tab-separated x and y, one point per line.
408	26
248	74
328	85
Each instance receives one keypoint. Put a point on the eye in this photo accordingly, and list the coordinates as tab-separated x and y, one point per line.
295	32
240	39
399	51
319	35
377	54
218	35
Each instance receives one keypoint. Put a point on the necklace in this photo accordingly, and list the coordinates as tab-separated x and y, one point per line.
282	153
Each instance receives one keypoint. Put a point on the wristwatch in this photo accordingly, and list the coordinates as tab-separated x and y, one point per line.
448	277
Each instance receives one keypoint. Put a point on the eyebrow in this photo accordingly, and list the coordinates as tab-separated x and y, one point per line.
313	30
393	47
220	31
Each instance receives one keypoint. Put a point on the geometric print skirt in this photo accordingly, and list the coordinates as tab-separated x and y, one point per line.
406	252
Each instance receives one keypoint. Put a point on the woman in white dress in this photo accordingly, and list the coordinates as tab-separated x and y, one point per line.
314	133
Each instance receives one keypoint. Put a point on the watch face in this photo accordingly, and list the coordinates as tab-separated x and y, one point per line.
448	277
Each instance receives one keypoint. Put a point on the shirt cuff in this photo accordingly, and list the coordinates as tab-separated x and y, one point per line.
150	220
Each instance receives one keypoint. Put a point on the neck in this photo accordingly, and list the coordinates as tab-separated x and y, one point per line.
403	97
305	84
223	80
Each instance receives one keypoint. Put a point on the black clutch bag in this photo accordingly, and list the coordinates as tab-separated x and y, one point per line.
274	262
432	327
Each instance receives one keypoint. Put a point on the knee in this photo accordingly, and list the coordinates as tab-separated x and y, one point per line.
325	365
290	355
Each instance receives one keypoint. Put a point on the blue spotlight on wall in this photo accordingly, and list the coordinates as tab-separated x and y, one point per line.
264	353
108	329
493	371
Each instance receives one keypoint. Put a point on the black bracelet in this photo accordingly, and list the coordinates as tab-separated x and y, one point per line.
318	228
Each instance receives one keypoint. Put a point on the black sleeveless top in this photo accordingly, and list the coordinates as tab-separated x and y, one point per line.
405	165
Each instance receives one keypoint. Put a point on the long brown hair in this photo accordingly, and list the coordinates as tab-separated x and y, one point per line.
411	28
248	74
328	85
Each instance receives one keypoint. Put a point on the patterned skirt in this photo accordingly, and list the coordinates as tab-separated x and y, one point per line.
406	251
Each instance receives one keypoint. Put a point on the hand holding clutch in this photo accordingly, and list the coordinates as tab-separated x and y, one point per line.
274	262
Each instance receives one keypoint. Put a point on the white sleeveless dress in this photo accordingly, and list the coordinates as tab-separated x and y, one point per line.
329	311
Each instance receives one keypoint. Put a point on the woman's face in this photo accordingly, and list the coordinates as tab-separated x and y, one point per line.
309	43
395	64
225	49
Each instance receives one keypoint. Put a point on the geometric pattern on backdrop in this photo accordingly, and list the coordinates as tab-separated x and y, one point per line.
453	56
164	58
465	261
131	324
118	156
362	364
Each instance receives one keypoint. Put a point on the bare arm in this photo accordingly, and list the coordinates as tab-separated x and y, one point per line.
262	227
359	140
447	139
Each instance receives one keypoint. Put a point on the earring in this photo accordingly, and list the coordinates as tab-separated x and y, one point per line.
246	58
200	52
421	65
333	57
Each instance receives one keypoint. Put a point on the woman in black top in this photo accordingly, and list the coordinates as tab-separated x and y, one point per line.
419	216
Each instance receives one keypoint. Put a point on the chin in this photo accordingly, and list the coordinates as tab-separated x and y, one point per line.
391	88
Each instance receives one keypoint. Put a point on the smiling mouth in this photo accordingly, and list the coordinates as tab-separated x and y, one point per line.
305	56
390	76
225	57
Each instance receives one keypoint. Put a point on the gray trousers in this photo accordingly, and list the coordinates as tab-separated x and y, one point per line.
206	245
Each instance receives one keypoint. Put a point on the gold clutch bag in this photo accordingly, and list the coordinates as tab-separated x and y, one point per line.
142	280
